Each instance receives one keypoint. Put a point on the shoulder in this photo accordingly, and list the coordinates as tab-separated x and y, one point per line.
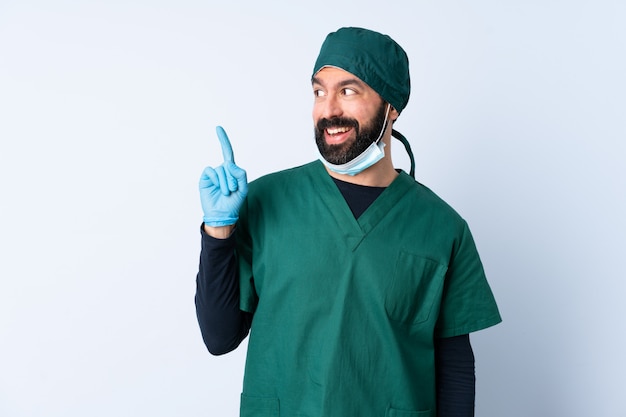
288	178
423	200
274	195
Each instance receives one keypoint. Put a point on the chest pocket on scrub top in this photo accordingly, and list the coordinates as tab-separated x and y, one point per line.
414	286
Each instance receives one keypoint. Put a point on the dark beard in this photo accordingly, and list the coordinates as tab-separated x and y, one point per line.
346	152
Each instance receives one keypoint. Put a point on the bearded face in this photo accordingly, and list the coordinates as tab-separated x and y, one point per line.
363	137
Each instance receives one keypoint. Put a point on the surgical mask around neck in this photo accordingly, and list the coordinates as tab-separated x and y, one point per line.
374	153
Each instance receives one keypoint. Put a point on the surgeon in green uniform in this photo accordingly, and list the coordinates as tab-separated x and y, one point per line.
347	272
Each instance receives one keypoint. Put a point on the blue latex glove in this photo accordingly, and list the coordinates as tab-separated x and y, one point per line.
223	189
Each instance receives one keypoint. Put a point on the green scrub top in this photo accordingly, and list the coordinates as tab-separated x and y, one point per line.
346	310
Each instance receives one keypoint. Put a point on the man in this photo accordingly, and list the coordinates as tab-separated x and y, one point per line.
359	285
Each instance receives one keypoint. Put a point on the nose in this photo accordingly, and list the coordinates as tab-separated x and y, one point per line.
329	107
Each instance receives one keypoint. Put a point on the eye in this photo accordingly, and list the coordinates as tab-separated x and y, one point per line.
318	93
348	92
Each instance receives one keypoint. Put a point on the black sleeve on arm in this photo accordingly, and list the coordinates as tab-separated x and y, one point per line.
222	324
456	381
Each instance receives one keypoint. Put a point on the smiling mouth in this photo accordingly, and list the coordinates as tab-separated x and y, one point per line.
337	130
338	135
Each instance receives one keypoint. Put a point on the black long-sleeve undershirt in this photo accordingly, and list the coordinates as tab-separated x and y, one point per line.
223	325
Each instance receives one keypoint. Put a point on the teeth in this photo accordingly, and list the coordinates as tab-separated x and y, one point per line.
336	130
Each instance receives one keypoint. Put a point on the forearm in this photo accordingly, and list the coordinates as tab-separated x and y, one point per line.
456	380
222	323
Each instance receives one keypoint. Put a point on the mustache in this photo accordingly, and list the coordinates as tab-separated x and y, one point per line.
324	123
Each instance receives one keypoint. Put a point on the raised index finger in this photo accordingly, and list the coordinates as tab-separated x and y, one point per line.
227	149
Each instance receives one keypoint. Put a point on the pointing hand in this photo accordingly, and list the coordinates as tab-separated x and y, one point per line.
224	188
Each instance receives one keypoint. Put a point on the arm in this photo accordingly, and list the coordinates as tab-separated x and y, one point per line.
222	192
455	377
222	324
468	305
220	232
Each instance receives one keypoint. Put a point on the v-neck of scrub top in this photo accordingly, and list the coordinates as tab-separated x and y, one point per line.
358	229
359	197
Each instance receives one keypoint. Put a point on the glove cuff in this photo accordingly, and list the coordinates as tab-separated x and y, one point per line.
213	222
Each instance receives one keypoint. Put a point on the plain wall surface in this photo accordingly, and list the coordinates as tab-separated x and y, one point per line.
107	117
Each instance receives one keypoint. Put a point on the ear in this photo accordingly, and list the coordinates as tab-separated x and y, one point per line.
393	114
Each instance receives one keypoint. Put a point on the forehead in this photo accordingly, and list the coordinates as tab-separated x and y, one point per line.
329	76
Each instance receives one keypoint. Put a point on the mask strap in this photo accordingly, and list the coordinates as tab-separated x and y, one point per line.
382	131
407	146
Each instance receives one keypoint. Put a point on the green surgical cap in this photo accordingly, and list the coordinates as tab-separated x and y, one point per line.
373	57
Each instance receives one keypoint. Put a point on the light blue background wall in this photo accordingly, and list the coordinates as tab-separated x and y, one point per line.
107	116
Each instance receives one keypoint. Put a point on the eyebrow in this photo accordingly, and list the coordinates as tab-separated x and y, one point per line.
344	83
